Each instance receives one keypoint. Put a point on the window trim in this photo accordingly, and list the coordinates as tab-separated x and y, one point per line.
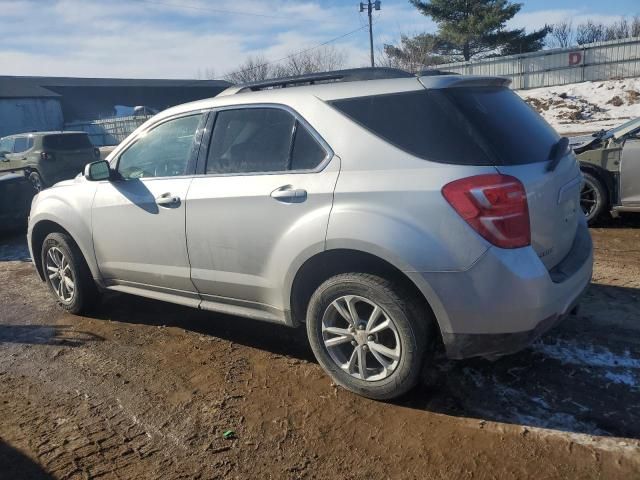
195	149
201	169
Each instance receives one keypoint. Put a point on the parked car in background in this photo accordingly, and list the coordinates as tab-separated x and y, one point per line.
610	163
47	157
16	193
387	212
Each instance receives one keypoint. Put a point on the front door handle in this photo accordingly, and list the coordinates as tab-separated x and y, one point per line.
167	200
288	194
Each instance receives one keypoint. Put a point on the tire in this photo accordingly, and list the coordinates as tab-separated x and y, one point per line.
409	339
36	181
60	251
593	198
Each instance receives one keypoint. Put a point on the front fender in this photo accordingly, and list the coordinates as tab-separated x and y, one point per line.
69	207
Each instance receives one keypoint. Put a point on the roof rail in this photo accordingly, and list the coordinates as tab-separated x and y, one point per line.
349	75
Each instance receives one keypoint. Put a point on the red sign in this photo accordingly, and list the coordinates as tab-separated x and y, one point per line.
575	58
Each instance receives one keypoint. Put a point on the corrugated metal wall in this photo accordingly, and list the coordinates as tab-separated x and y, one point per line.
18	115
595	61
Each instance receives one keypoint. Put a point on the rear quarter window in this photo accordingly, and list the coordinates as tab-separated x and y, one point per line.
70	141
463	126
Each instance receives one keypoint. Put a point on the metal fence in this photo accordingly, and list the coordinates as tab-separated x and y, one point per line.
594	61
108	131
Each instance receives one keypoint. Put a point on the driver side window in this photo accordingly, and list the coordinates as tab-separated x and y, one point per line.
161	152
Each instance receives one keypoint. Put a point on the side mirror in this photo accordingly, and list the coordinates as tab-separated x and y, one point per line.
96	171
3	156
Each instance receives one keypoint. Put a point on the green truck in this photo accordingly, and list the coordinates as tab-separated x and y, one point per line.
47	157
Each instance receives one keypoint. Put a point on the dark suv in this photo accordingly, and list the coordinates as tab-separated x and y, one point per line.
47	157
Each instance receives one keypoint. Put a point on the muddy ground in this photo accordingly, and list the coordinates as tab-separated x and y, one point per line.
143	389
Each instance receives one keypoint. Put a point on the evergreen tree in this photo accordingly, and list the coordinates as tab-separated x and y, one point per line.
477	28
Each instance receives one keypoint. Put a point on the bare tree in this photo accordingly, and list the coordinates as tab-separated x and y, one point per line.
618	30
561	35
258	68
590	32
634	26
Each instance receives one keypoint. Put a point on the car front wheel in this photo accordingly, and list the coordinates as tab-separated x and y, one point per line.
67	273
368	334
593	197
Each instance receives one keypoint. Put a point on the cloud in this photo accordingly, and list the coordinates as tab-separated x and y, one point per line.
178	39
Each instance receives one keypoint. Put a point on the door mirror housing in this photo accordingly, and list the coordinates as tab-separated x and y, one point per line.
3	156
96	171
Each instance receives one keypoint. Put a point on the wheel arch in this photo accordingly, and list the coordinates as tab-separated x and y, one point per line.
39	232
605	176
328	263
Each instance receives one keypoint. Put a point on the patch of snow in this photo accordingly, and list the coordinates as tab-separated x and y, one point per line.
586	355
588	106
624	378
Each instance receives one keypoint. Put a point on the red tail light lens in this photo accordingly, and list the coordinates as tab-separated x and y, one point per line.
495	206
46	156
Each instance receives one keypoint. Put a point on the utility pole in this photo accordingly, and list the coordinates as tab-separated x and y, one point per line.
370	6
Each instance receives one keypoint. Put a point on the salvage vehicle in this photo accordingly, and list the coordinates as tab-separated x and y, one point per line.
389	213
47	157
610	163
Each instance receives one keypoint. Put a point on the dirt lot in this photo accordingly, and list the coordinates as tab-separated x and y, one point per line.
143	389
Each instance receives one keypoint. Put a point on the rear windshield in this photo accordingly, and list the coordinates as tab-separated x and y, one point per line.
465	126
69	141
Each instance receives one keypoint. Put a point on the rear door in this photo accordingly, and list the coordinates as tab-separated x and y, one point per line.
18	155
522	143
70	152
263	198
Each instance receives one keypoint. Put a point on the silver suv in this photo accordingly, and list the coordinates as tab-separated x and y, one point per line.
387	212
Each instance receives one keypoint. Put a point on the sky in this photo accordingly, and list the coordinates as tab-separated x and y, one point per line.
209	38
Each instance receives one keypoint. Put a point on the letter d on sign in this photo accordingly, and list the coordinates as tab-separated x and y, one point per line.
575	58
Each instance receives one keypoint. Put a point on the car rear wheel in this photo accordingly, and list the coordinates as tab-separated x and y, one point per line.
368	334
593	197
67	273
36	181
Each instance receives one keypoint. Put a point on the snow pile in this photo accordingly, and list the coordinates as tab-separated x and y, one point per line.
586	107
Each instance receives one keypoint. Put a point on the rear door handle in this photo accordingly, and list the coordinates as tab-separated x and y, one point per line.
168	200
288	194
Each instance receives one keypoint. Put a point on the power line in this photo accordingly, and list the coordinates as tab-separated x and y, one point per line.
215	10
299	52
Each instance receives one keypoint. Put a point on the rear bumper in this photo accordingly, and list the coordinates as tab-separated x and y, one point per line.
507	299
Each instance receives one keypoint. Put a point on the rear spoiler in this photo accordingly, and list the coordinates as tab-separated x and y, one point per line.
456	81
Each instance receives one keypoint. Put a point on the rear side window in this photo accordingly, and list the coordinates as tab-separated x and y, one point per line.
307	153
21	145
261	140
464	126
68	141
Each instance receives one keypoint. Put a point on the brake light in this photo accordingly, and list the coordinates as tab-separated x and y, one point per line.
495	206
47	156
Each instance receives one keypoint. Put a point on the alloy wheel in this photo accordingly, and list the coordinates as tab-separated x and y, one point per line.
589	198
361	338
60	274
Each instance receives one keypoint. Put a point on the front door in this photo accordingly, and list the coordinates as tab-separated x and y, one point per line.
264	198
630	173
139	219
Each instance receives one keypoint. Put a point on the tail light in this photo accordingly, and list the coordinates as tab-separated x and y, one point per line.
47	156
495	206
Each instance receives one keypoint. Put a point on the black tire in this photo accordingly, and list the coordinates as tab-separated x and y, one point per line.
36	181
413	328
85	293
594	199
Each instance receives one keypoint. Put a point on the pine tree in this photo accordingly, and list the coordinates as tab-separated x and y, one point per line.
476	28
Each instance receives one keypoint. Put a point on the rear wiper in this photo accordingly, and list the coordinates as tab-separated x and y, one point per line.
558	151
